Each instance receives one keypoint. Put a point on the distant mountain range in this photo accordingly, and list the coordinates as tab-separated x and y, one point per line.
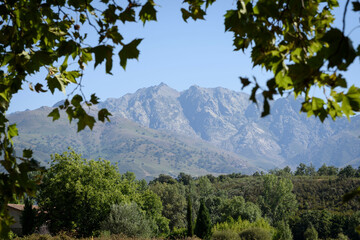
199	131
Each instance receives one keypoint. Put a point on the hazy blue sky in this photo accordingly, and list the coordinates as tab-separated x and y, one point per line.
177	53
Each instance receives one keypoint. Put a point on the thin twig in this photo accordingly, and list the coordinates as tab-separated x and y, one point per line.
344	16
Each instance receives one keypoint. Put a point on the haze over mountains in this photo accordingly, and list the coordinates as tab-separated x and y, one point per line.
160	130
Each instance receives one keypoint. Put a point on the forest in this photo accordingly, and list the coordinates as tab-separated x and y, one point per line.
80	198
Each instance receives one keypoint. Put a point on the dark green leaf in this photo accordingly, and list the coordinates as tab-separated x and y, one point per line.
129	51
104	114
185	14
55	82
85	120
253	93
148	12
209	2
39	88
54	114
245	82
94	99
128	15
27	153
76	100
266	108
103	52
356	6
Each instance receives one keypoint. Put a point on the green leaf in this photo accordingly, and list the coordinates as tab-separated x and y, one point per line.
129	51
128	15
82	18
209	2
317	103
27	153
64	65
185	14
253	93
148	12
85	56
114	35
39	88
12	131
72	76
54	114
55	82
245	82
103	52
76	100
104	114
356	6
85	120
94	99
266	108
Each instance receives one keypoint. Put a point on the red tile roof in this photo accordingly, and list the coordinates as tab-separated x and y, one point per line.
20	207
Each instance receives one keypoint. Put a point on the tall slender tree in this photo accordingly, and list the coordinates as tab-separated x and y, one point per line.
189	217
28	217
203	222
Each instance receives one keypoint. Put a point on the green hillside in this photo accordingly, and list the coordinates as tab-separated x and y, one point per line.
144	151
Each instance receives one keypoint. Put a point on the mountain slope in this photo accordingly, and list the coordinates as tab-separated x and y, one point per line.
228	120
145	151
160	130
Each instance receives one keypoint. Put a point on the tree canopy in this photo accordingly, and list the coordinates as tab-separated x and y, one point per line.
77	194
294	40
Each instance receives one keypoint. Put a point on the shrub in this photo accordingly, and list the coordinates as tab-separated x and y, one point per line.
241	225
341	236
283	231
225	235
311	233
129	220
178	233
255	234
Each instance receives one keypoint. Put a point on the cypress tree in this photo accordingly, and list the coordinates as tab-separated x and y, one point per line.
28	218
189	218
203	222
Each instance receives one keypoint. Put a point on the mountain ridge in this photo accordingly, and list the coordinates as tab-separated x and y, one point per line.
222	119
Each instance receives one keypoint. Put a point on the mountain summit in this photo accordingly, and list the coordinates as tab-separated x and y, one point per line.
199	130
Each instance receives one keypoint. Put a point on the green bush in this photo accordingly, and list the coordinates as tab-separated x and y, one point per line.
311	233
225	235
129	220
241	225
178	233
283	231
255	234
341	236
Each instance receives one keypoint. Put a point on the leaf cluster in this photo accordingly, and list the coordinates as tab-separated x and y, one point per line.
52	36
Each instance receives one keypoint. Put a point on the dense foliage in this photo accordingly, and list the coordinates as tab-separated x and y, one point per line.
77	194
234	206
42	35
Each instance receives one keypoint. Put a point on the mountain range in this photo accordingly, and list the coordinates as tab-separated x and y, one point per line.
199	131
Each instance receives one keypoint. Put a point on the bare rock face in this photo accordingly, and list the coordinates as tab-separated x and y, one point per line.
228	120
155	107
200	130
